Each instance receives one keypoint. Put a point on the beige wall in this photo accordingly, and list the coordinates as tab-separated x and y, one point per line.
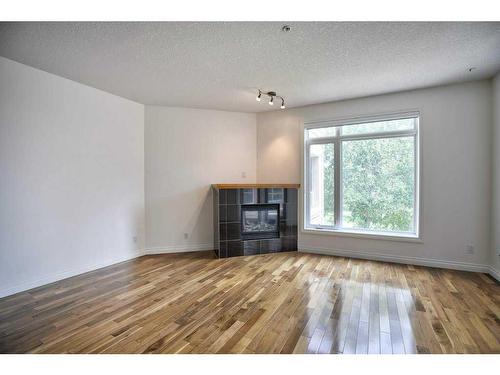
187	150
495	222
72	178
456	182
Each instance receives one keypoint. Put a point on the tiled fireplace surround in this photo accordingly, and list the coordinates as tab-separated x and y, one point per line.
228	202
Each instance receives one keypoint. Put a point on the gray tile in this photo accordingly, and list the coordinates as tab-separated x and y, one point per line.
270	246
233	213
248	196
223	249
222	196
222	232
233	231
232	196
234	249
251	247
222	214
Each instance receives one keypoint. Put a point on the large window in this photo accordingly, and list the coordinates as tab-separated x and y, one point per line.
361	176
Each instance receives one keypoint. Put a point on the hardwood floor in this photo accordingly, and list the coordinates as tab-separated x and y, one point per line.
275	303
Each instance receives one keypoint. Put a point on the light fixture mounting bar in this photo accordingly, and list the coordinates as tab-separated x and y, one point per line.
271	95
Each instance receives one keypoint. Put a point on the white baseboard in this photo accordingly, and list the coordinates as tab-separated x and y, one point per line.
178	249
437	263
29	284
7	290
495	274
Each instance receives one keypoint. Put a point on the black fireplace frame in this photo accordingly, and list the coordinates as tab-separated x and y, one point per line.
228	238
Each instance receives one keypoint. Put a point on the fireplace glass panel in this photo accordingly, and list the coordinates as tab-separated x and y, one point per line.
260	220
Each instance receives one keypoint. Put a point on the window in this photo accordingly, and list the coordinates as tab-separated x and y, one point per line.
362	176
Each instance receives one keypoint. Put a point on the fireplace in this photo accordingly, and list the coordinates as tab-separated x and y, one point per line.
260	221
251	219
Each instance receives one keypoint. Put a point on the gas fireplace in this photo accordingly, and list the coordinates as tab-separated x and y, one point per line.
255	219
260	221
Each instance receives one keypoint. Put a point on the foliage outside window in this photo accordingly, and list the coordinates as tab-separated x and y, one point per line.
363	176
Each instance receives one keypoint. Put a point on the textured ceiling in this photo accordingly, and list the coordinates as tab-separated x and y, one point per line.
221	65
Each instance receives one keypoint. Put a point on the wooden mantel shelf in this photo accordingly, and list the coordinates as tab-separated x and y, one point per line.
256	186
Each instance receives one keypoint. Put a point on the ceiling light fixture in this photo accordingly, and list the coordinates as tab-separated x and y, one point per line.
272	95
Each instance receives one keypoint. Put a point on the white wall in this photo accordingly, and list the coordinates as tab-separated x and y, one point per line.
456	186
77	165
495	227
71	175
187	150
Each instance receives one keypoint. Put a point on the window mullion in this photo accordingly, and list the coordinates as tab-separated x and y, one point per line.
337	182
308	185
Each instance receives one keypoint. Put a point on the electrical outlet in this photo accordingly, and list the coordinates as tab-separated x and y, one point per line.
470	249
134	239
186	236
243	174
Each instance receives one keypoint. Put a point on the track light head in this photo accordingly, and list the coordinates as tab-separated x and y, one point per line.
272	95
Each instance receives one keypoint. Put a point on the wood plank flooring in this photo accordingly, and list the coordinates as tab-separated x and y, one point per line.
274	303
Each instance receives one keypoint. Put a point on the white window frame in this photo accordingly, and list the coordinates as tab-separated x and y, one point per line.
416	236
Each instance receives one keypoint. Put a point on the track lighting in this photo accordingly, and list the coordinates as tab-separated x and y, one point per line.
272	95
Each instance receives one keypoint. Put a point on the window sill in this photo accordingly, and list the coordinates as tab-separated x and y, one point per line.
364	235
